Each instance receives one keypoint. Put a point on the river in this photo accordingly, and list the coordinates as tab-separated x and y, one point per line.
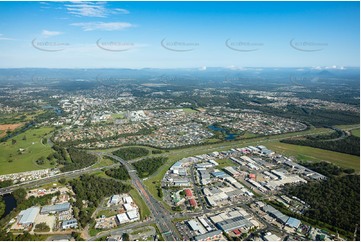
10	204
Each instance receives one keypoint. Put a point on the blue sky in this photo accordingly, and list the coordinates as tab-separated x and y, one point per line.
179	34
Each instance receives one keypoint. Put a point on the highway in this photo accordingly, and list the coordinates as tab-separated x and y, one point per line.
159	213
43	181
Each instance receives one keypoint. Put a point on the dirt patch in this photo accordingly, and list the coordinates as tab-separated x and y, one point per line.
6	127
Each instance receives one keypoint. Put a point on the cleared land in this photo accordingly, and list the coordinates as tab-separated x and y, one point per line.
22	155
10	127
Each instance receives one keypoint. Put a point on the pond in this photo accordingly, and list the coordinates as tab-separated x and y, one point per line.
10	204
228	135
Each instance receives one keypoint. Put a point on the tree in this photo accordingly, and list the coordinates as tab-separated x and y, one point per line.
126	237
42	227
2	206
62	180
13	141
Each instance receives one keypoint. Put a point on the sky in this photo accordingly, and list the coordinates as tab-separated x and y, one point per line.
179	34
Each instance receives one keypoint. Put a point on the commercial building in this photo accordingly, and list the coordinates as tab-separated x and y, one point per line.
69	224
133	215
127	199
122	218
114	199
212	235
231	171
57	208
27	217
293	223
197	227
280	217
188	192
193	202
234	223
271	237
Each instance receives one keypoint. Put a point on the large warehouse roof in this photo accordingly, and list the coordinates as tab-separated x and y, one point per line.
56	208
28	216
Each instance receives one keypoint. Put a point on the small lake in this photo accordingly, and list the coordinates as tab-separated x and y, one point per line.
228	135
10	204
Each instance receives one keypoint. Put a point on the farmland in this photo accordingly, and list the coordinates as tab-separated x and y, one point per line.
20	153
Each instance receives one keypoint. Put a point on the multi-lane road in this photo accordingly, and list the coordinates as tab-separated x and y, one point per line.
159	213
47	180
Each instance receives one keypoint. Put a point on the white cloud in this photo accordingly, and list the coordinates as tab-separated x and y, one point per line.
93	9
334	67
110	26
203	68
5	38
47	33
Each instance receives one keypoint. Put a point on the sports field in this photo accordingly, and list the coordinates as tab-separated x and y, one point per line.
22	153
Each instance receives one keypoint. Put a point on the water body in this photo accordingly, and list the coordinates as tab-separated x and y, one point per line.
228	135
57	110
10	204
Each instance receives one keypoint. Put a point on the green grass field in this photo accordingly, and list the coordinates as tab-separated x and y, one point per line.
117	115
189	110
143	208
107	213
225	162
33	150
104	162
306	153
356	132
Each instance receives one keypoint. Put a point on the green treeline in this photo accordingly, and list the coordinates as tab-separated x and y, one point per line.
349	145
5	183
93	189
23	203
335	201
327	169
148	166
131	153
80	159
120	173
2	206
